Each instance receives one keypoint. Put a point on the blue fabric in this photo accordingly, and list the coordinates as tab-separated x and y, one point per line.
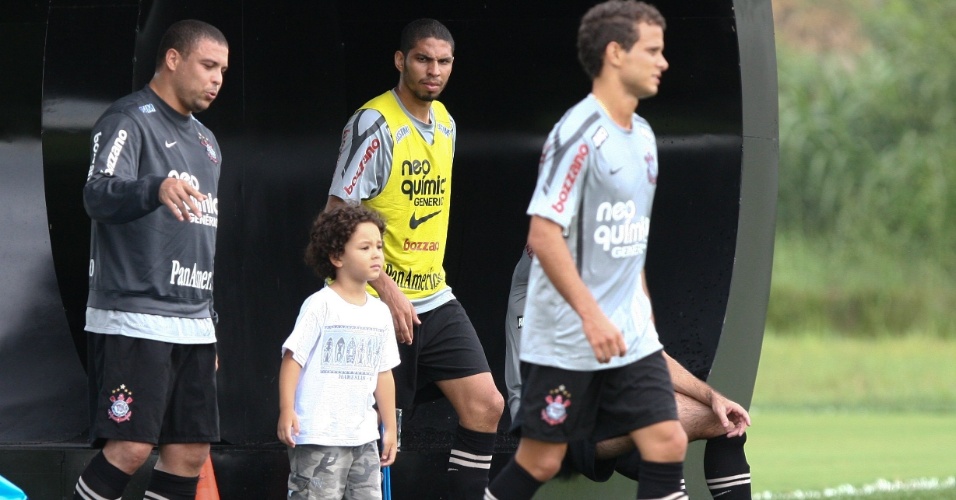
9	491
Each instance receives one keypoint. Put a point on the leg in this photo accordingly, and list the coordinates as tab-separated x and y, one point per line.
662	447
108	473
726	468
365	475
318	471
182	459
534	463
129	426
190	423
697	419
479	406
127	456
177	471
476	400
451	356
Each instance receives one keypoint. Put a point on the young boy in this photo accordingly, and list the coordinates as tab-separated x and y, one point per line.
336	363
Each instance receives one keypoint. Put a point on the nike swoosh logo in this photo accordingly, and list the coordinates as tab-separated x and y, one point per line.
170	144
414	223
614	171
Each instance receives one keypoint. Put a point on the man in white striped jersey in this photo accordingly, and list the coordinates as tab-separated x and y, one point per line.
703	412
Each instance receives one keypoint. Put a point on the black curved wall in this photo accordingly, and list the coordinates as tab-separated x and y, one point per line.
297	71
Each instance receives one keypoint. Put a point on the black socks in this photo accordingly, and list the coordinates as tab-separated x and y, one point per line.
726	468
469	463
100	479
512	483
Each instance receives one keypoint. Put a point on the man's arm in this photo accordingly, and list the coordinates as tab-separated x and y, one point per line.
733	417
403	312
546	240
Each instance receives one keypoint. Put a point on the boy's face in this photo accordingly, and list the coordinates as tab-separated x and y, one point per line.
362	258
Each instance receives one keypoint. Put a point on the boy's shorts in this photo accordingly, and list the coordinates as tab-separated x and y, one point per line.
335	472
561	406
444	347
152	392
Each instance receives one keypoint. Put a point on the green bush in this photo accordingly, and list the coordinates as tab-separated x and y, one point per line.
867	166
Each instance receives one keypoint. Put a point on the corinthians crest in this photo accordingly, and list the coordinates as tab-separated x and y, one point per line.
122	398
209	149
558	400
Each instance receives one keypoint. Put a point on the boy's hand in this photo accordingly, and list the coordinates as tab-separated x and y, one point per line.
288	428
389	447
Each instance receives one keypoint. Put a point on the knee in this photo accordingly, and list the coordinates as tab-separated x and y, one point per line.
487	408
675	445
127	456
669	444
542	468
184	459
195	459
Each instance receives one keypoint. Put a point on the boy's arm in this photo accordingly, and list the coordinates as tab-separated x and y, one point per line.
289	373
385	400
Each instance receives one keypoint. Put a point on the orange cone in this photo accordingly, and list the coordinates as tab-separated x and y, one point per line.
207	489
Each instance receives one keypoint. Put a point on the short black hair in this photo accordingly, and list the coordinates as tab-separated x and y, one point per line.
184	36
612	21
421	29
331	230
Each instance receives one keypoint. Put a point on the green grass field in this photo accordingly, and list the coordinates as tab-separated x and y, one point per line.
832	412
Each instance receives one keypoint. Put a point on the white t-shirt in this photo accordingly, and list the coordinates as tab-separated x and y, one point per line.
342	348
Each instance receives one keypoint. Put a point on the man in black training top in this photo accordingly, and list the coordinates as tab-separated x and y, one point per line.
151	193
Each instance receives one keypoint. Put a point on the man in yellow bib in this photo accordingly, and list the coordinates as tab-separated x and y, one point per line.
396	158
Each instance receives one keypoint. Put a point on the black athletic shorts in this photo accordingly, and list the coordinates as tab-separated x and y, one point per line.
152	392
444	347
562	406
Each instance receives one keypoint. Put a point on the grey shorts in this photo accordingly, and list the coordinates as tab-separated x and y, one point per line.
335	472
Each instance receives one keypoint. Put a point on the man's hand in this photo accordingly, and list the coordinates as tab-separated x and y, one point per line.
403	312
732	416
606	339
180	198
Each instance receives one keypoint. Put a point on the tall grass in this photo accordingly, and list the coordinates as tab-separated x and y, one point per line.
866	214
823	288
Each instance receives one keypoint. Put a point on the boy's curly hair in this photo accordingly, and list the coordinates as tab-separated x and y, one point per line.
331	230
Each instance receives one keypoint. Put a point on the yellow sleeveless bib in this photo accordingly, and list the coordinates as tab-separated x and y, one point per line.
415	200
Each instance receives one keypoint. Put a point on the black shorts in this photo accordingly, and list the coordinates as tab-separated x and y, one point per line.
562	406
152	392
445	347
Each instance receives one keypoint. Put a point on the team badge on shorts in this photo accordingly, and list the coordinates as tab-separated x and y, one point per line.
120	411
558	400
